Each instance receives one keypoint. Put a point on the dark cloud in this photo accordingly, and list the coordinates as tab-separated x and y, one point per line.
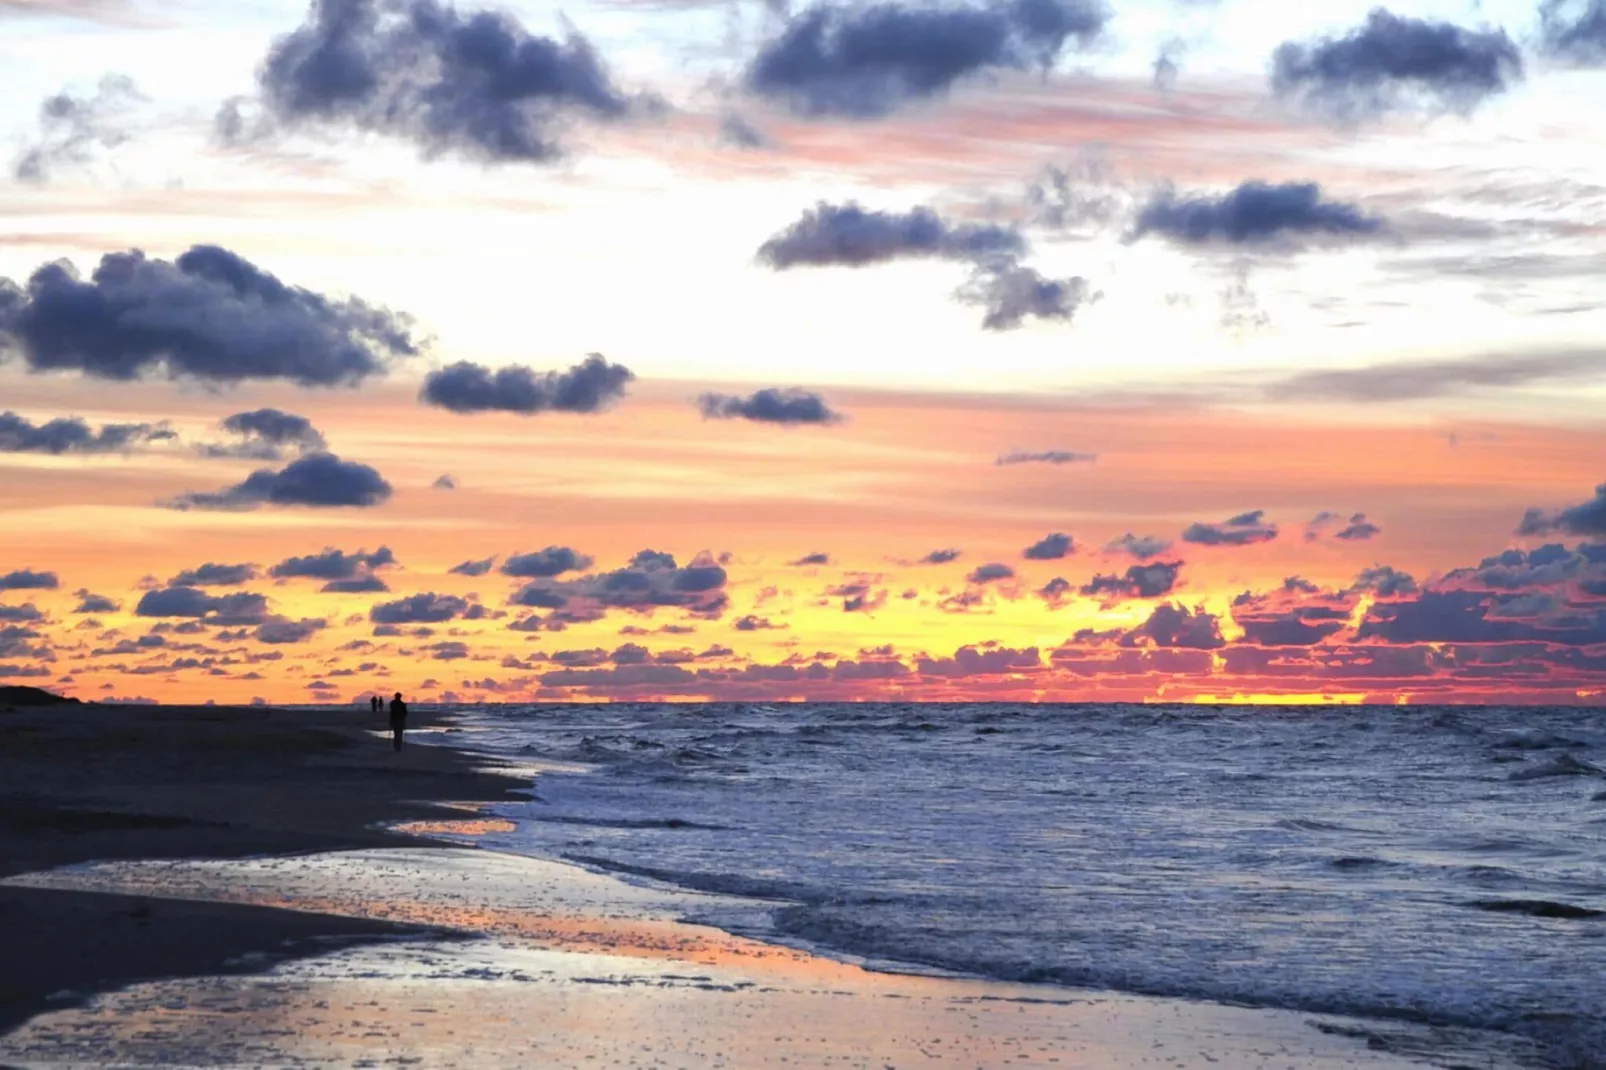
73	129
1395	61
264	434
333	564
1050	548
1575	30
1463	616
990	572
1412	380
25	612
1141	547
210	315
424	608
320	480
1045	457
1355	528
771	406
1587	518
1139	581
1385	581
1012	292
1174	626
1245	529
865	61
1297	614
211	575
754	623
817	558
1548	566
283	630
552	561
444	482
88	602
18	434
738	132
1252	213
475	84
849	235
26	579
940	557
973	661
242	607
590	386
619	676
652	580
356	585
473	568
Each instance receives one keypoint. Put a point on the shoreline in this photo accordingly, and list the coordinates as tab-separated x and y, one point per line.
269	866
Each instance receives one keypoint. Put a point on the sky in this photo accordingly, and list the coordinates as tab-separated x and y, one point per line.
745	350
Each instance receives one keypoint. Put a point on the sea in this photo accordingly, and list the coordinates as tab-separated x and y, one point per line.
1435	865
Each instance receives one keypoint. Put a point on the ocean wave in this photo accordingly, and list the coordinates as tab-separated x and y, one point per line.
1536	908
1560	765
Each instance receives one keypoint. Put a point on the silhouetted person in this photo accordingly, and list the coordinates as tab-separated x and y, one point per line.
375	703
398	720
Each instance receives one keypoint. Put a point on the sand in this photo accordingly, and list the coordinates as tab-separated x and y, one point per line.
244	908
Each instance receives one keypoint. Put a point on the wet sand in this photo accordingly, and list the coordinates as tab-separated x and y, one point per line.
345	945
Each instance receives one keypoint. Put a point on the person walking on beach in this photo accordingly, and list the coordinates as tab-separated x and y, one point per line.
375	703
398	720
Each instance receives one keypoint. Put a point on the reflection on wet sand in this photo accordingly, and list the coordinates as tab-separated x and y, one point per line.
542	964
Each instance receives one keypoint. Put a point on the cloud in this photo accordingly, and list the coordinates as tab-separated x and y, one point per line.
264	434
1587	518
972	661
355	585
1254	212
1045	457
1139	581
210	316
1575	30
848	235
1245	529
816	558
25	612
652	580
590	386
211	575
473	568
867	61
1050	548
476	85
1333	525
1394	62
18	434
88	602
940	557
1174	626
1385	581
1412	380
423	608
26	579
1141	547
1011	292
72	129
444	482
552	561
754	623
319	480
989	572
333	564
770	405
242	607
283	630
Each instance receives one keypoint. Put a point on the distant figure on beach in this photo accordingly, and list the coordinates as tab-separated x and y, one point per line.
375	703
398	719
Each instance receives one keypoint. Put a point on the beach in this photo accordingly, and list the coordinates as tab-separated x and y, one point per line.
219	887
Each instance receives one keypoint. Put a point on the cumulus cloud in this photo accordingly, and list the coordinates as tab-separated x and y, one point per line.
264	434
940	557
209	315
816	558
424	608
473	568
1139	581
1245	529
1385	581
472	84
1394	62
590	386
771	406
1254	212
74	129
333	564
975	661
89	602
652	580
553	561
1587	518
1012	292
242	607
1141	547
25	612
1330	525
1575	30
214	575
1174	626
1045	457
26	579
444	482
849	235
284	630
990	572
356	585
1050	548
754	623
319	480
866	61
62	435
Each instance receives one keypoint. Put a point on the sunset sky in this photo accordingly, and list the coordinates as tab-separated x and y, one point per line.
737	350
